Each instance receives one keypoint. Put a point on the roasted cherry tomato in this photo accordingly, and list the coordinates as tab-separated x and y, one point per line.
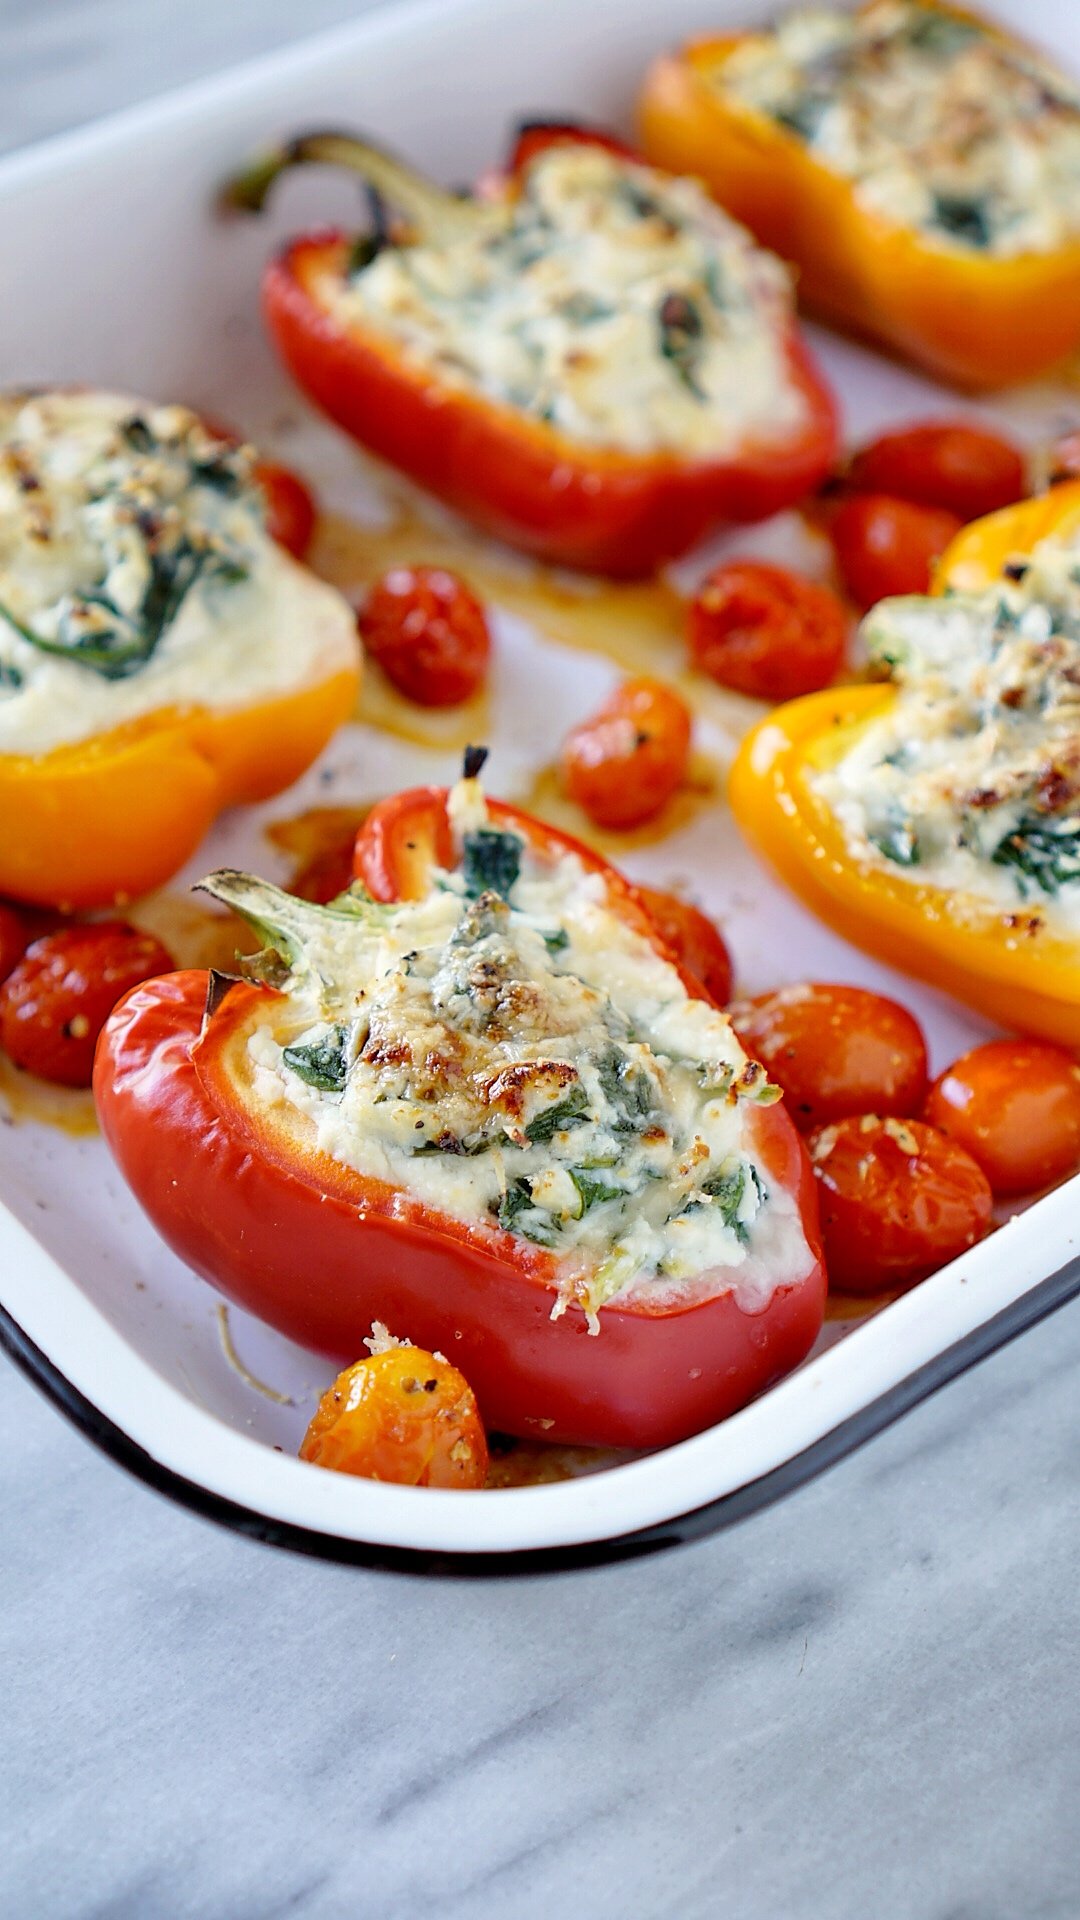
535	136
429	634
56	1000
1015	1106
885	545
624	763
290	507
16	933
898	1200
403	1415
696	943
835	1050
765	631
943	463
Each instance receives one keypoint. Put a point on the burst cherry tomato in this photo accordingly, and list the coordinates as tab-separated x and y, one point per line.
694	940
403	1415
56	1000
428	632
290	507
943	463
835	1050
1015	1106
624	763
765	631
885	545
898	1200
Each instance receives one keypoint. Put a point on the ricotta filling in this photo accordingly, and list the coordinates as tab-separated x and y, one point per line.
616	305
971	780
510	1052
137	575
941	126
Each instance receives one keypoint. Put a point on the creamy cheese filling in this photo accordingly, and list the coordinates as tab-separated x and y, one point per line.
137	575
971	779
941	126
616	305
512	1053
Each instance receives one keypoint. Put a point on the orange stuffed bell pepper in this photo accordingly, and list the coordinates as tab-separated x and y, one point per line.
595	365
915	163
160	657
935	820
476	1098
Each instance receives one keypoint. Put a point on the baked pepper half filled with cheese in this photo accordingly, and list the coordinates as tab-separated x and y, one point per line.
934	818
161	657
597	365
919	166
476	1097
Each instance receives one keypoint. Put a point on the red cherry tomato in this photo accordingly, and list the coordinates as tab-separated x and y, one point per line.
403	1415
765	631
1014	1105
694	940
428	632
898	1200
625	762
535	136
290	507
55	1002
16	932
835	1050
943	463
885	545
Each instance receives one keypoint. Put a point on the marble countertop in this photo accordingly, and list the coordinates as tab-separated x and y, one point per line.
858	1706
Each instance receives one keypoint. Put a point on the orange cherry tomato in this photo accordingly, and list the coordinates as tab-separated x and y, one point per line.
885	545
898	1199
623	764
290	507
55	1002
428	633
835	1050
404	1415
943	463
1014	1105
694	940
765	631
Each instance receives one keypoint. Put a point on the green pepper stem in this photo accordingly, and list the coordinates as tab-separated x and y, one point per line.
430	210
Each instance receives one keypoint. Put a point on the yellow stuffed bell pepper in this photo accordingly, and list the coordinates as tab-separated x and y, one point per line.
917	164
935	821
160	657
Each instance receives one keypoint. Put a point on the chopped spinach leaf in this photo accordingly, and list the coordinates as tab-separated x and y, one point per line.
939	34
491	862
802	115
518	1215
559	1117
681	332
592	1191
1042	855
323	1064
10	675
627	1089
728	1189
898	843
138	434
963	217
558	941
467	1145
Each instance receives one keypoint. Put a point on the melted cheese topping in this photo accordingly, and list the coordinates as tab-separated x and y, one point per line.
972	777
940	125
618	306
529	1063
136	574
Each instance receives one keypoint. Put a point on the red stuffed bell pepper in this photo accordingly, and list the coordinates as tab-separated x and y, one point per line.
476	1099
597	366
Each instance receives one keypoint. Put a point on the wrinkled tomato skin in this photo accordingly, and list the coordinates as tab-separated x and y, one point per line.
693	938
766	631
404	1415
898	1200
428	633
1014	1105
835	1050
57	998
887	546
626	761
943	463
290	507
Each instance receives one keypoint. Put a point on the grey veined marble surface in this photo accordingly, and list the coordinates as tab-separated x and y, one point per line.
862	1705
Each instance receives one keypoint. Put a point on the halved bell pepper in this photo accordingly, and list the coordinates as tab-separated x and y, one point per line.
320	1251
972	319
613	512
1009	966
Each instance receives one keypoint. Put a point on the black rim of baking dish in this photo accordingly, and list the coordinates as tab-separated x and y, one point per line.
1035	1305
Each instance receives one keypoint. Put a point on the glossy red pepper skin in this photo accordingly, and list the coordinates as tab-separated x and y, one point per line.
612	513
320	1251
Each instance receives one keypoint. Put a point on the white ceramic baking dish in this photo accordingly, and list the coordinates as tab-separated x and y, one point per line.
116	272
